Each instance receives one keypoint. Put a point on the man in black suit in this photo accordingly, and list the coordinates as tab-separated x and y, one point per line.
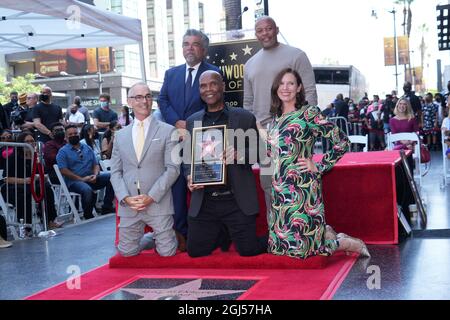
234	204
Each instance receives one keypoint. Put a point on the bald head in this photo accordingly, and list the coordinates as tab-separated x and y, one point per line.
211	73
266	19
266	31
131	92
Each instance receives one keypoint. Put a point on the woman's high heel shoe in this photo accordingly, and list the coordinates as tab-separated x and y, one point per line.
330	234
353	245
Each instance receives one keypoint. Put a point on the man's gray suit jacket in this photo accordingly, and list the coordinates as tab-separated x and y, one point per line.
156	171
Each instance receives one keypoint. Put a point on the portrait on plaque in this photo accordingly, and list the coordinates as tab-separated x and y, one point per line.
208	146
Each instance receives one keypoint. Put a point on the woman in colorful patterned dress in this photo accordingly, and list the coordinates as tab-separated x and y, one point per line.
297	225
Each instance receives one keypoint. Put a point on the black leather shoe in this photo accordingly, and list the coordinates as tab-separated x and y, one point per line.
181	241
108	210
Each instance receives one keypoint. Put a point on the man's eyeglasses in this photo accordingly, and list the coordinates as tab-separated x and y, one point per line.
140	98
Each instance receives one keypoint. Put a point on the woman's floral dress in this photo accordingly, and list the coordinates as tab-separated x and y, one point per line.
297	220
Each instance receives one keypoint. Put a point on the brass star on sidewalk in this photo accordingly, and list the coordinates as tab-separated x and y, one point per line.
187	291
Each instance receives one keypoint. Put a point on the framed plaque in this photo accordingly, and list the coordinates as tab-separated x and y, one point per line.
208	146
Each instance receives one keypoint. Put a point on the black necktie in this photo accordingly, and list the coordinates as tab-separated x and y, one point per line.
188	87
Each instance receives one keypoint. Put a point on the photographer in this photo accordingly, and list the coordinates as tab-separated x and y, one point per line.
5	112
31	102
17	115
45	114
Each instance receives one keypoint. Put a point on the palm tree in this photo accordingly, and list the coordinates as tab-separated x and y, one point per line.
407	22
407	15
232	14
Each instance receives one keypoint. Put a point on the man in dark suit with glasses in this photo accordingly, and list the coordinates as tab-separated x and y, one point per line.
81	171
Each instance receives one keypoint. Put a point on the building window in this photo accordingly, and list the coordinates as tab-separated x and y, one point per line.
170	24
169	4
186	8
171	49
150	14
201	16
120	61
132	63
151	45
116	6
153	71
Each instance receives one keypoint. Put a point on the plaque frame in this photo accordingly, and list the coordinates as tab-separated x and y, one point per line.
215	160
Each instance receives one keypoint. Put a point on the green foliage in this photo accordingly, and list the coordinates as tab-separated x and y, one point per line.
19	84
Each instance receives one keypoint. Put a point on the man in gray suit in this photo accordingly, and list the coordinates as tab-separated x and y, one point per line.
142	173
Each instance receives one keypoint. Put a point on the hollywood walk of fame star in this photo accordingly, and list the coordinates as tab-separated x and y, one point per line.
247	50
187	291
233	56
208	148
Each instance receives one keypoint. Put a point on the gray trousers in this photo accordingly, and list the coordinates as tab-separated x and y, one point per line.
131	230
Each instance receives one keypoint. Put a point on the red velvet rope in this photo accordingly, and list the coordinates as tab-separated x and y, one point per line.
37	166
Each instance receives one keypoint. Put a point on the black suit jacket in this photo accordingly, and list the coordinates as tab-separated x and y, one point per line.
241	178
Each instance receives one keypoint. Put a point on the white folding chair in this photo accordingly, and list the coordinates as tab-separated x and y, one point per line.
445	160
69	197
105	165
392	138
360	140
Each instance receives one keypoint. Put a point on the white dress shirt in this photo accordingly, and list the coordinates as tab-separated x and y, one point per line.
194	72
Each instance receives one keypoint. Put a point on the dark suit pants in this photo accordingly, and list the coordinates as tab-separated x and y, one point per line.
205	229
3	230
179	194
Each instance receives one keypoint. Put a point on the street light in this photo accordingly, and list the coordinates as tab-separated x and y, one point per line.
395	49
374	15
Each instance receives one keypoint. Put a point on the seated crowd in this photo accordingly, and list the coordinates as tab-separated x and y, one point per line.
71	142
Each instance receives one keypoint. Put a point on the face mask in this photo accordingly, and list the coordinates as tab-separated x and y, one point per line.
73	111
44	97
59	135
13	101
104	104
351	109
74	140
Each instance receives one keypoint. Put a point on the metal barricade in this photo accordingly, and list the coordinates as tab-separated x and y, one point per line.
341	122
16	201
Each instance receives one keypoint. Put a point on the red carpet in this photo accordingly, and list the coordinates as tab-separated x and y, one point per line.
218	260
273	284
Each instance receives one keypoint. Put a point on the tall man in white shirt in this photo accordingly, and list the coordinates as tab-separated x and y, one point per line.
142	173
